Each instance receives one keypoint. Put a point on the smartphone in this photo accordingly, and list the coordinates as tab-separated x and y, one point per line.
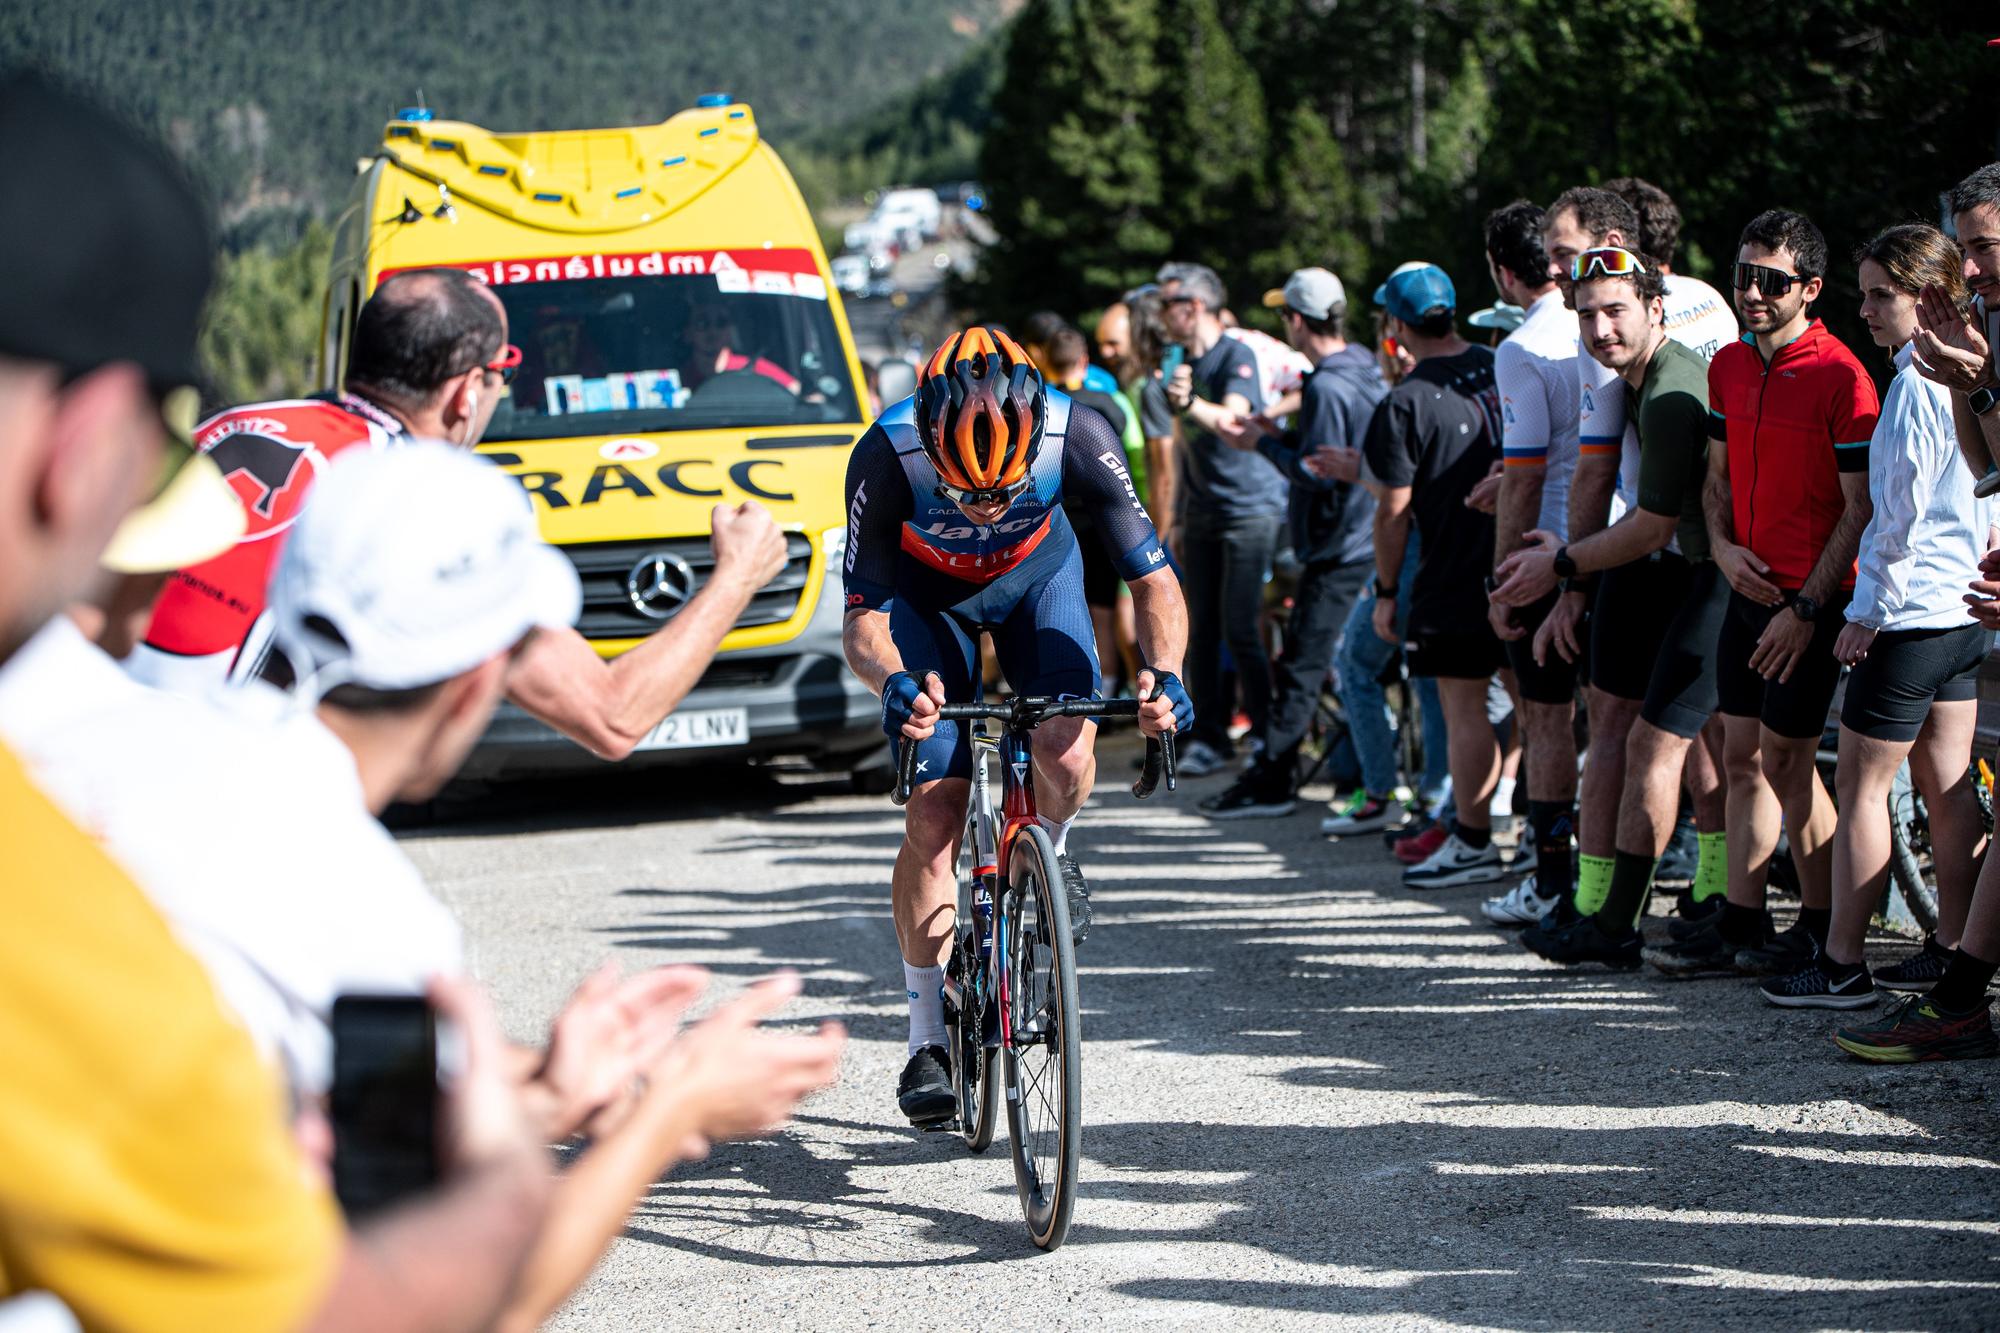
1390	348
384	1100
1170	360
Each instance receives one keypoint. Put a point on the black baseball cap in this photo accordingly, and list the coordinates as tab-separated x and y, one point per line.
110	250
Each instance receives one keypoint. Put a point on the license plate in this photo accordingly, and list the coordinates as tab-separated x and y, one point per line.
699	729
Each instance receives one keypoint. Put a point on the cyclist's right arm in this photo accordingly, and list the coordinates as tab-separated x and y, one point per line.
878	503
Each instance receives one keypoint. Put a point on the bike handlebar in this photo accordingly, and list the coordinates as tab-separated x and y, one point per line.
1026	713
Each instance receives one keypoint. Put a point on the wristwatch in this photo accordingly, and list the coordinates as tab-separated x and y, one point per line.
1385	592
1564	566
1805	608
1981	400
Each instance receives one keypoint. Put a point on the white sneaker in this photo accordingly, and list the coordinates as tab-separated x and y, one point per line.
1199	760
1456	862
1523	907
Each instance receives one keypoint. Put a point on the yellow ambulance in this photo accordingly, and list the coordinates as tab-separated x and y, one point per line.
682	345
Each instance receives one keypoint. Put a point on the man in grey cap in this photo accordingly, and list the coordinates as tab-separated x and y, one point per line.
1332	525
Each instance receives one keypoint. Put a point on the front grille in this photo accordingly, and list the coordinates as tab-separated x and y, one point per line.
608	612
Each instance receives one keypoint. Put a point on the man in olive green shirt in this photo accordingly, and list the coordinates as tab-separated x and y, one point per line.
1659	606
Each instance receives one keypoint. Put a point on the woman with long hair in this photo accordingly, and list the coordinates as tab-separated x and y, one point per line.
1912	644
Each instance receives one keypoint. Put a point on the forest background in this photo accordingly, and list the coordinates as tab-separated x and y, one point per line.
1254	135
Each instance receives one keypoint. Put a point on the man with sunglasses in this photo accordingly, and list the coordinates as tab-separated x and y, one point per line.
1792	412
430	360
1653	638
955	527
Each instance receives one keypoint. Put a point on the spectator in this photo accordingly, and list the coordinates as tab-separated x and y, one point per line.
1430	442
1230	511
1954	346
1113	336
1332	523
1535	371
712	339
1912	645
429	362
1787	501
125	1068
1159	431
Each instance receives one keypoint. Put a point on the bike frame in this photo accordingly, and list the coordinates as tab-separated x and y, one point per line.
993	856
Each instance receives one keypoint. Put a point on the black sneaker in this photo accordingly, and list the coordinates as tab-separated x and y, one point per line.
1788	951
924	1092
1583	941
1920	971
1078	893
1704	950
1252	796
1811	988
1684	926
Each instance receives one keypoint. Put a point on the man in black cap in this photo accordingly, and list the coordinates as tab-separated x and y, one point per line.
151	1179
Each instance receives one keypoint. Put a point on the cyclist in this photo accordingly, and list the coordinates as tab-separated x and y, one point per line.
955	524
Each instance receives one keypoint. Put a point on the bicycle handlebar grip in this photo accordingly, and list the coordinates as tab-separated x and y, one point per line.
906	770
1159	759
1168	744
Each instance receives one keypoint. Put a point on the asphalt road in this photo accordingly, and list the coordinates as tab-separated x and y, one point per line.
1310	1095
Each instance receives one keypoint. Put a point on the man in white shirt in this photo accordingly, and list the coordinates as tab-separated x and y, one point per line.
1536	373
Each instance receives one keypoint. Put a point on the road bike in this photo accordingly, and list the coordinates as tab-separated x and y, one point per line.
1010	994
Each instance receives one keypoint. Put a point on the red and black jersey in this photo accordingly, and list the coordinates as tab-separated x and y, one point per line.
270	453
1791	428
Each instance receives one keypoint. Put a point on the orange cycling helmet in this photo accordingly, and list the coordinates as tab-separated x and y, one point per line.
980	407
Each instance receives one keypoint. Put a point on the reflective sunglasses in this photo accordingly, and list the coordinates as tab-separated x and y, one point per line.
506	364
1004	495
1769	281
1609	261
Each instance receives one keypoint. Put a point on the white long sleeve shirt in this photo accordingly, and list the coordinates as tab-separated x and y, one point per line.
1924	543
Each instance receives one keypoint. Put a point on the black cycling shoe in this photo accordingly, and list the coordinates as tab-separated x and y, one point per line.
1583	941
924	1093
1078	893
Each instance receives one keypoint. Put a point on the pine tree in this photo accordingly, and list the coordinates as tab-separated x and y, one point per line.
1314	208
1211	134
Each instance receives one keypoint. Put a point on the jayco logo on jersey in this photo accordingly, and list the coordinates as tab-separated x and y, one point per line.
958	532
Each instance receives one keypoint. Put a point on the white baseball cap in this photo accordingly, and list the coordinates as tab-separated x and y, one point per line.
1313	292
426	561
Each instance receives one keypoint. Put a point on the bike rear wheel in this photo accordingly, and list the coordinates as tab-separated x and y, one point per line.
1909	850
972	1063
1043	1059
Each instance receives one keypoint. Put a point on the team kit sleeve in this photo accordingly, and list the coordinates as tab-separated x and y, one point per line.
1600	420
878	504
1094	474
1524	407
1673	430
1855	412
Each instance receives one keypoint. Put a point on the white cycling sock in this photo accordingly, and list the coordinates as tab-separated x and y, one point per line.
926	1006
1058	833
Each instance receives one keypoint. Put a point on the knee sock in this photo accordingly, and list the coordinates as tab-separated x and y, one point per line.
1554	822
1476	838
1816	921
1963	985
1711	876
926	1005
1058	832
1631	881
1593	882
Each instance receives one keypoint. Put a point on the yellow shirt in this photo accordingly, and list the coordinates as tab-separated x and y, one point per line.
147	1175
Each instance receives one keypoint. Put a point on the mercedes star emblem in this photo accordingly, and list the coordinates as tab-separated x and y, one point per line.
659	585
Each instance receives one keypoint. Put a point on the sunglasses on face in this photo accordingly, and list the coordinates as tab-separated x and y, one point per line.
1769	281
506	364
1608	260
1003	496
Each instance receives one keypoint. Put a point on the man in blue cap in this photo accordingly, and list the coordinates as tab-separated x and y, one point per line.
1430	442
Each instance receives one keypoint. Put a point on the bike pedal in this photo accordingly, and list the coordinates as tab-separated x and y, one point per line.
950	1126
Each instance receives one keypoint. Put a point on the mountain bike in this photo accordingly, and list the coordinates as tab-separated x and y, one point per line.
1010	994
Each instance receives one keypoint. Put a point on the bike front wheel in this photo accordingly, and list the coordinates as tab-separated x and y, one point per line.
1043	1055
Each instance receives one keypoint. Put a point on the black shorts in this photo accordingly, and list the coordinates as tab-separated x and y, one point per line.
1459	655
1890	691
1681	694
1554	683
1629	617
1796	708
